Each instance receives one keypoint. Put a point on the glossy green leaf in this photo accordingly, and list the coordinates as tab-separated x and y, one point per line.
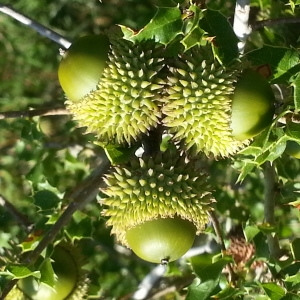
47	273
273	290
21	271
283	62
163	28
46	200
224	40
118	154
201	291
194	34
80	226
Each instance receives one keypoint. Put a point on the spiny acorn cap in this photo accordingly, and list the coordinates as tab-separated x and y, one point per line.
126	102
198	106
166	185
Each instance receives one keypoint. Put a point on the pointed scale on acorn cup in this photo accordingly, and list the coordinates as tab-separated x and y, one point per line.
215	109
126	103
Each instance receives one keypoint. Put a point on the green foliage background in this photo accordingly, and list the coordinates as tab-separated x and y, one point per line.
35	166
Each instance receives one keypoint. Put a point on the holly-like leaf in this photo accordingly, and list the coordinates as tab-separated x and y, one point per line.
17	271
194	34
163	28
273	290
80	226
119	154
225	41
284	62
46	200
209	274
47	273
213	270
201	290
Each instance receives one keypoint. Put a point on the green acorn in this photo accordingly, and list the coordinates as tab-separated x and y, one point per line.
70	280
126	102
156	205
198	106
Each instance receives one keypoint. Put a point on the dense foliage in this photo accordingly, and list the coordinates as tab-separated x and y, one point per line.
50	171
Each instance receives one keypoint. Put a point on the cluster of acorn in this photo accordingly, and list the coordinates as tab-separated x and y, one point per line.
119	91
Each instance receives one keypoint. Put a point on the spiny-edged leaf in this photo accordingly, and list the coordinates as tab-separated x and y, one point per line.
32	240
294	279
267	146
246	168
47	273
46	200
276	149
119	154
295	204
296	90
293	131
80	226
250	232
273	290
201	290
163	28
193	38
266	228
261	246
251	150
284	62
229	292
212	271
200	262
18	271
193	33
225	41
290	296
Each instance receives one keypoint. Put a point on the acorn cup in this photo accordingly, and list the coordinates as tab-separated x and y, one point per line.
156	205
126	103
212	108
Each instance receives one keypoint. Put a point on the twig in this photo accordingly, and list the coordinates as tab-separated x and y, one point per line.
269	207
34	112
41	29
81	195
219	234
240	23
18	216
274	22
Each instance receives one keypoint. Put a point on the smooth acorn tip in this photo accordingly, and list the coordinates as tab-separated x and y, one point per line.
162	240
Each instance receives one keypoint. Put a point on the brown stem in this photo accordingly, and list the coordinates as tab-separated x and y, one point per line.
219	234
270	195
34	113
18	216
274	22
